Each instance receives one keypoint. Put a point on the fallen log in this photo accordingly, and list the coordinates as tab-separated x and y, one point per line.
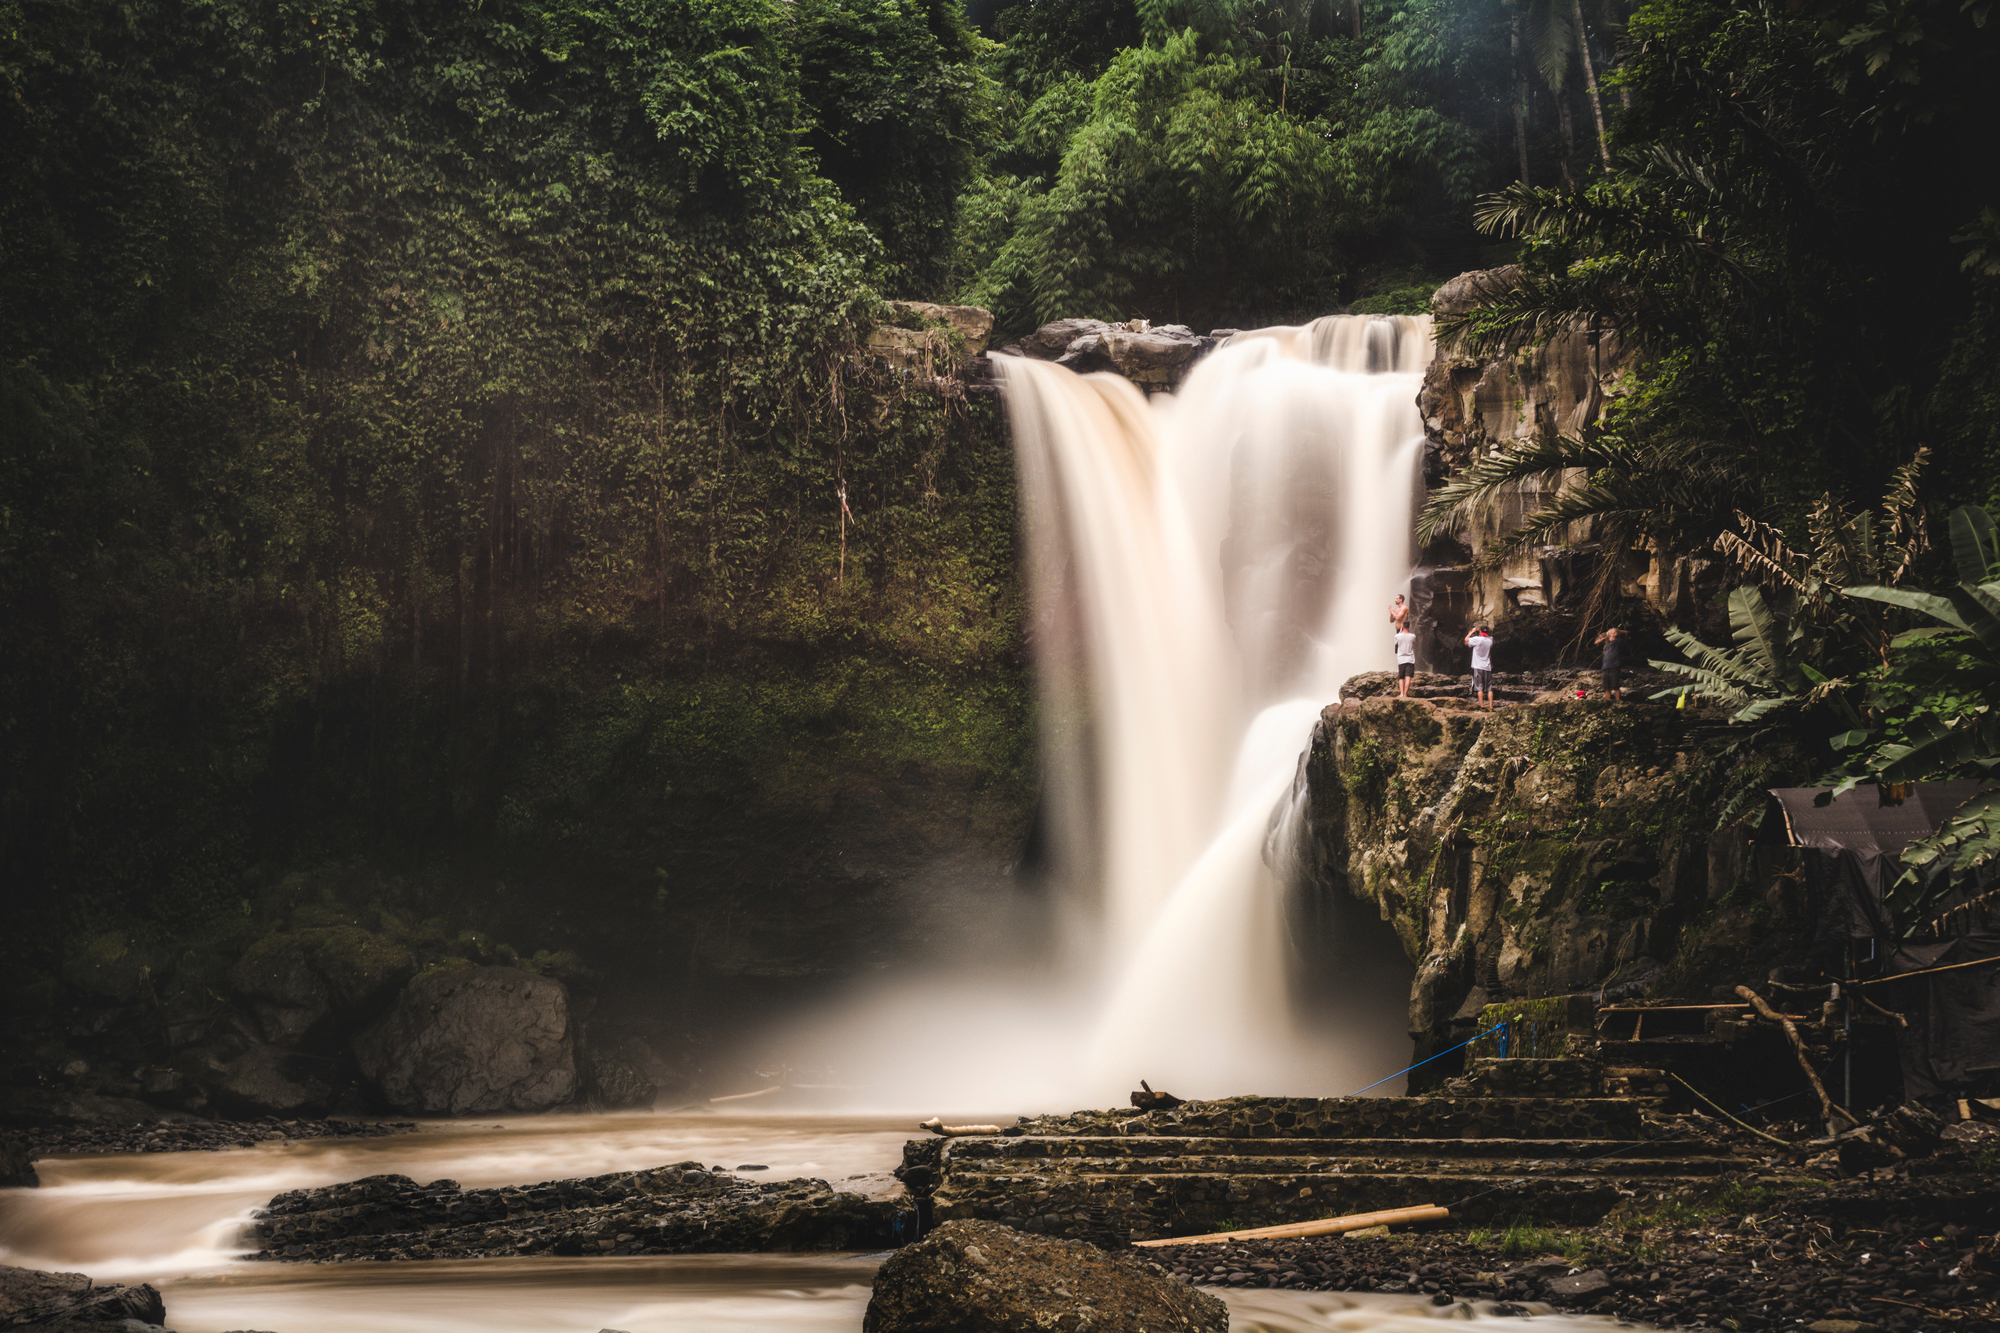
746	1096
1331	1226
937	1126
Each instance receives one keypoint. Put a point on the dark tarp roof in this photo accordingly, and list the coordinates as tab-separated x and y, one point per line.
1954	1017
1857	821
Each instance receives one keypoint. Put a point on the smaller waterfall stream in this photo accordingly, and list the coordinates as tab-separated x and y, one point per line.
1205	570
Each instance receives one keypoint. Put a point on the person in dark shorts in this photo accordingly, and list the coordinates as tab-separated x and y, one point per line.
1480	641
1406	661
1613	667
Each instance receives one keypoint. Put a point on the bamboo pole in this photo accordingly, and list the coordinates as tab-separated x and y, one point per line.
1799	1049
1331	1226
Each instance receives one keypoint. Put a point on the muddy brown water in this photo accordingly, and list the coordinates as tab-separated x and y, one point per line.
176	1220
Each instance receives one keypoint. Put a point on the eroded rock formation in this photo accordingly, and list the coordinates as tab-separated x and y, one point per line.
1556	846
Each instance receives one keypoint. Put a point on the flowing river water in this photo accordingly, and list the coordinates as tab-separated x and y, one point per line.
176	1220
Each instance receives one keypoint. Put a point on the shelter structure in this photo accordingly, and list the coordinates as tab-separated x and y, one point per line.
1942	973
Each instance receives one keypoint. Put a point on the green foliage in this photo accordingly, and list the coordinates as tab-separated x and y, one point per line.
1182	192
897	100
1794	640
371	371
1936	705
1775	236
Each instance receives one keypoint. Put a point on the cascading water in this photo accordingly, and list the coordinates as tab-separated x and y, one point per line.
1206	570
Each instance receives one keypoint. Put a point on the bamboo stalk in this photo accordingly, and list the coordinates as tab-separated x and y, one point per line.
1799	1049
1772	1138
1331	1226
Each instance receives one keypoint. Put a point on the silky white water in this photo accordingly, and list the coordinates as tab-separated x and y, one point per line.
175	1220
1205	570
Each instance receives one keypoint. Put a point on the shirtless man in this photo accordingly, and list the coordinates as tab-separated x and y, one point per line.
1613	666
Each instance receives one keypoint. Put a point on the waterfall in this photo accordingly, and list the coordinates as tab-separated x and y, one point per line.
1205	571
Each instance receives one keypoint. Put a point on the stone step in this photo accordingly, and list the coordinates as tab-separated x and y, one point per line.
1075	1205
1151	1153
1364	1118
1289	1166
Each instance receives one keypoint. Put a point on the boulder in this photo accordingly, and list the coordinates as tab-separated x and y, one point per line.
261	1081
1053	340
472	1042
981	1277
30	1298
970	321
284	990
17	1167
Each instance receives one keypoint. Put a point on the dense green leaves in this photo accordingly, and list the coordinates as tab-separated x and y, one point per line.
369	358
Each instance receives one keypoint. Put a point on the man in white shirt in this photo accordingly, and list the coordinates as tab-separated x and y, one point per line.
1480	641
1406	661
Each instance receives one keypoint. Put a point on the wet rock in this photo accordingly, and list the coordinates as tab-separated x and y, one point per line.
471	1042
1578	1286
981	1277
33	1299
17	1165
678	1209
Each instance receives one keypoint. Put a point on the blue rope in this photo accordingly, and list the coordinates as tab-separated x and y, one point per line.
1439	1056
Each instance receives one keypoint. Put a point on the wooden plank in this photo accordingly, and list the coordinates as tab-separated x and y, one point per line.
1331	1226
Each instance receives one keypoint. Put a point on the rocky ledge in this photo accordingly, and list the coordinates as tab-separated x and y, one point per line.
680	1209
66	1302
1902	1254
191	1135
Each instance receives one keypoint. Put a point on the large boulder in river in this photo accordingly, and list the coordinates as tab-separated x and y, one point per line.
472	1042
33	1299
981	1277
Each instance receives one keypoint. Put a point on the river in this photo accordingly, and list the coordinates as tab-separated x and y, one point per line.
175	1220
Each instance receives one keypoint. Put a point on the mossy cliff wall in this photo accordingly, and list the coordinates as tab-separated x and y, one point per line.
1555	847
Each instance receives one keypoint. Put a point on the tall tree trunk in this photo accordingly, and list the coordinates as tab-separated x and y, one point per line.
1520	99
1356	11
1568	123
1590	82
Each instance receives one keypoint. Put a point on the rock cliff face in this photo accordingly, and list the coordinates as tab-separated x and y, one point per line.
1556	847
1475	407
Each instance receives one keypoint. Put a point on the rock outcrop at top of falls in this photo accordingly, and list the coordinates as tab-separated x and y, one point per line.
982	1277
681	1209
1154	357
474	1041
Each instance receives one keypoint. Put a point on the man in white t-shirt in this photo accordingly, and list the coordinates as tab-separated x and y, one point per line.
1406	661
1480	641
